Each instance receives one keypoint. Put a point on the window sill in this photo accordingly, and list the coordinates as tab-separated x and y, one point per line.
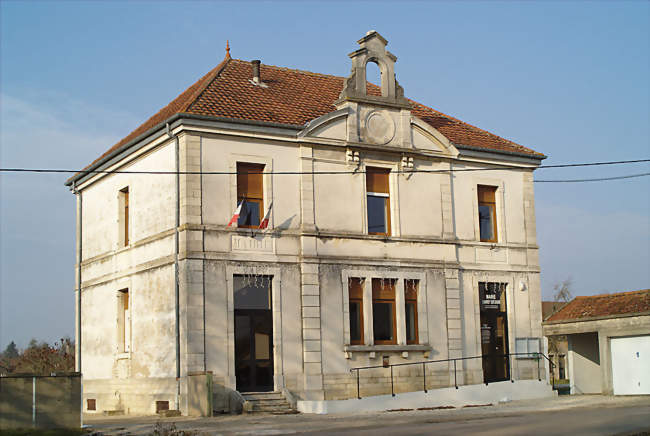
529	357
379	348
121	356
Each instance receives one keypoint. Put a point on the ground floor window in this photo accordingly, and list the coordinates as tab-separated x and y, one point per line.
123	322
356	310
411	310
383	311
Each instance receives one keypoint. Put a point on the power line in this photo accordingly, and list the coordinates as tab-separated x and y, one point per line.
600	179
357	171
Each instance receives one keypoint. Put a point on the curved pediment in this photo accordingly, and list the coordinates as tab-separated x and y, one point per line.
332	125
426	137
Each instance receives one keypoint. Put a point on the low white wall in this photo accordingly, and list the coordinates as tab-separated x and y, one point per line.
464	395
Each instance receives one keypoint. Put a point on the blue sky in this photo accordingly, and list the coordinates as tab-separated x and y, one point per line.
569	79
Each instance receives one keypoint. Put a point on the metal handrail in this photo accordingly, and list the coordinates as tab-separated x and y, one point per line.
533	355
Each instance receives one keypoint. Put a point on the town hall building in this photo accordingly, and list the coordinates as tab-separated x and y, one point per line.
275	230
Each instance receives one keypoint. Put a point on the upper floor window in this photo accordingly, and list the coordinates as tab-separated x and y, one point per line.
378	201
487	213
124	217
250	194
383	311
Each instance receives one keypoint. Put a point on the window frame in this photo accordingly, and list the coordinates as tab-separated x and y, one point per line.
411	297
378	296
486	196
377	194
256	169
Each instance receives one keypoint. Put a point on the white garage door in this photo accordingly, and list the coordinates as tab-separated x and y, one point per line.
631	365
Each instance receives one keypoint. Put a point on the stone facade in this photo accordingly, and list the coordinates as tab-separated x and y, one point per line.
181	256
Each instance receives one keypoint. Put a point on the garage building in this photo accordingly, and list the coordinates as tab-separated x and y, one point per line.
608	342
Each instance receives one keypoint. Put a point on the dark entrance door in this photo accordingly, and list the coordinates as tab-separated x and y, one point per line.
494	332
253	334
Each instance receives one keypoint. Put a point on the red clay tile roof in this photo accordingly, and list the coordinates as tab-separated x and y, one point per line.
294	97
605	305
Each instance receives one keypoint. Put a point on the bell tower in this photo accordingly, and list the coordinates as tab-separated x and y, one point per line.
373	49
373	119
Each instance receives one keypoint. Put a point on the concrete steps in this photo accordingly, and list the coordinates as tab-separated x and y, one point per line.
267	402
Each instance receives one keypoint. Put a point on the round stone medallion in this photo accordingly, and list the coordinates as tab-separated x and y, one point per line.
380	127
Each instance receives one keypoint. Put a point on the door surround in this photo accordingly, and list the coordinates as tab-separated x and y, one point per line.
500	277
276	310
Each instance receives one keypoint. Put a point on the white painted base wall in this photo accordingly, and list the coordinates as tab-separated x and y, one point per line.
631	365
464	395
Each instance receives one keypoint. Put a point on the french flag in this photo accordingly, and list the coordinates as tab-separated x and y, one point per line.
235	217
265	222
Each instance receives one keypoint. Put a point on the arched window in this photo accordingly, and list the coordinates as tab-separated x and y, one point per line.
373	73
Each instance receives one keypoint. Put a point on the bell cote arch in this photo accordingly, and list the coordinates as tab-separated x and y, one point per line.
373	50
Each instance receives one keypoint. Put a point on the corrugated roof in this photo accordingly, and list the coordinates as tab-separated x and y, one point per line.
604	305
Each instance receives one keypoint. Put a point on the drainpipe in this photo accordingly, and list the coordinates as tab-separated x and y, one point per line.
79	258
176	274
78	290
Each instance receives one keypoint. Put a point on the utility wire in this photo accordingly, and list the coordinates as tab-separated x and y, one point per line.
601	179
358	171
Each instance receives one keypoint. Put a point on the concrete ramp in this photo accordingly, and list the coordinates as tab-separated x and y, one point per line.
463	396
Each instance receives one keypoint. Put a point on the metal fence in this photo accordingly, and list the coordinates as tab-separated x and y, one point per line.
536	356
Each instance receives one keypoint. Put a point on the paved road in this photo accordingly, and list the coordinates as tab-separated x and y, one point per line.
592	421
575	416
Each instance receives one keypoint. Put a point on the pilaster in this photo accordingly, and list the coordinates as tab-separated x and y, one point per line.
446	208
190	192
311	332
191	271
529	208
191	308
307	215
454	316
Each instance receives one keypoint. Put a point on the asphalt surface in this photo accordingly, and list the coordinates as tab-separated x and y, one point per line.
580	415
